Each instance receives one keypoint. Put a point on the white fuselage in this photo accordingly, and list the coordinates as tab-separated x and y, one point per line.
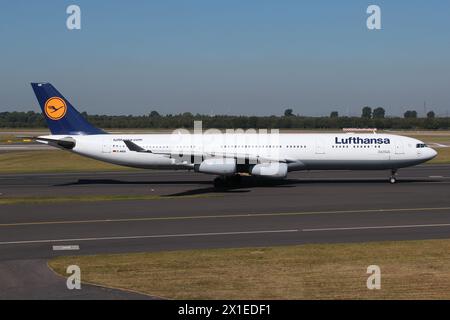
349	151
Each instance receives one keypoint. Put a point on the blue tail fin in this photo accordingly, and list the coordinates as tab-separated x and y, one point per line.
61	116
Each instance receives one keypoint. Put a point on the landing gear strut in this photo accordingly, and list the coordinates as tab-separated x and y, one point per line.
392	178
219	182
226	181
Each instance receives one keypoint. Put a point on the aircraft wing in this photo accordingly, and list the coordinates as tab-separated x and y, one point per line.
256	159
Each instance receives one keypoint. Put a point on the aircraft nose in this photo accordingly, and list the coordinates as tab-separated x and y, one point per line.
431	153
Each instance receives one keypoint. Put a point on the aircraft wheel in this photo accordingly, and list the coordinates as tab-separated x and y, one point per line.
235	180
393	179
219	183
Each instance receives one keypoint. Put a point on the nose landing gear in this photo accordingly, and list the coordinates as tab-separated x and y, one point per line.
392	178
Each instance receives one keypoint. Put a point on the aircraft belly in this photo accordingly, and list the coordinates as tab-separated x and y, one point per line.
358	164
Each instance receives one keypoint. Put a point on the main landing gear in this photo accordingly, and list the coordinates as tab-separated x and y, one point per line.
226	181
392	178
219	183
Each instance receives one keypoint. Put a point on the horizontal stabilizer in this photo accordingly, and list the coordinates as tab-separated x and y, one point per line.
66	143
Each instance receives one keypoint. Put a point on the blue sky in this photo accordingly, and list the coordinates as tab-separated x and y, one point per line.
253	57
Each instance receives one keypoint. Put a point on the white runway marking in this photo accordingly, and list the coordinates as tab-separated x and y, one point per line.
149	236
380	227
25	147
66	248
441	145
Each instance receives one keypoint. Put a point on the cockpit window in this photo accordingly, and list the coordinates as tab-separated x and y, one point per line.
421	145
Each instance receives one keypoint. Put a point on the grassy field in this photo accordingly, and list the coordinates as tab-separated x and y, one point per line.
50	161
9	138
442	157
409	270
93	198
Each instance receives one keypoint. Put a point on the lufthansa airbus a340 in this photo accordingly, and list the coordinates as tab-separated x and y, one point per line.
227	155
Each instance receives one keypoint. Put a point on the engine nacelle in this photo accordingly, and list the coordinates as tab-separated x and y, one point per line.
270	170
219	166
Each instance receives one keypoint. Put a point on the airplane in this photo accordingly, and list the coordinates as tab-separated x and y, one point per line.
227	155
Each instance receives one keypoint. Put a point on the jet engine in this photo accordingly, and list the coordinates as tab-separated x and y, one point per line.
271	170
219	166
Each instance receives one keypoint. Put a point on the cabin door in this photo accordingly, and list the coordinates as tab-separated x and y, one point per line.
106	145
399	148
320	148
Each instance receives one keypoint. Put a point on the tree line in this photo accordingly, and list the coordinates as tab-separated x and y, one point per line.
369	119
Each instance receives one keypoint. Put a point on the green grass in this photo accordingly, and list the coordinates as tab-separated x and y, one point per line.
443	156
51	161
7	138
409	270
444	139
94	198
